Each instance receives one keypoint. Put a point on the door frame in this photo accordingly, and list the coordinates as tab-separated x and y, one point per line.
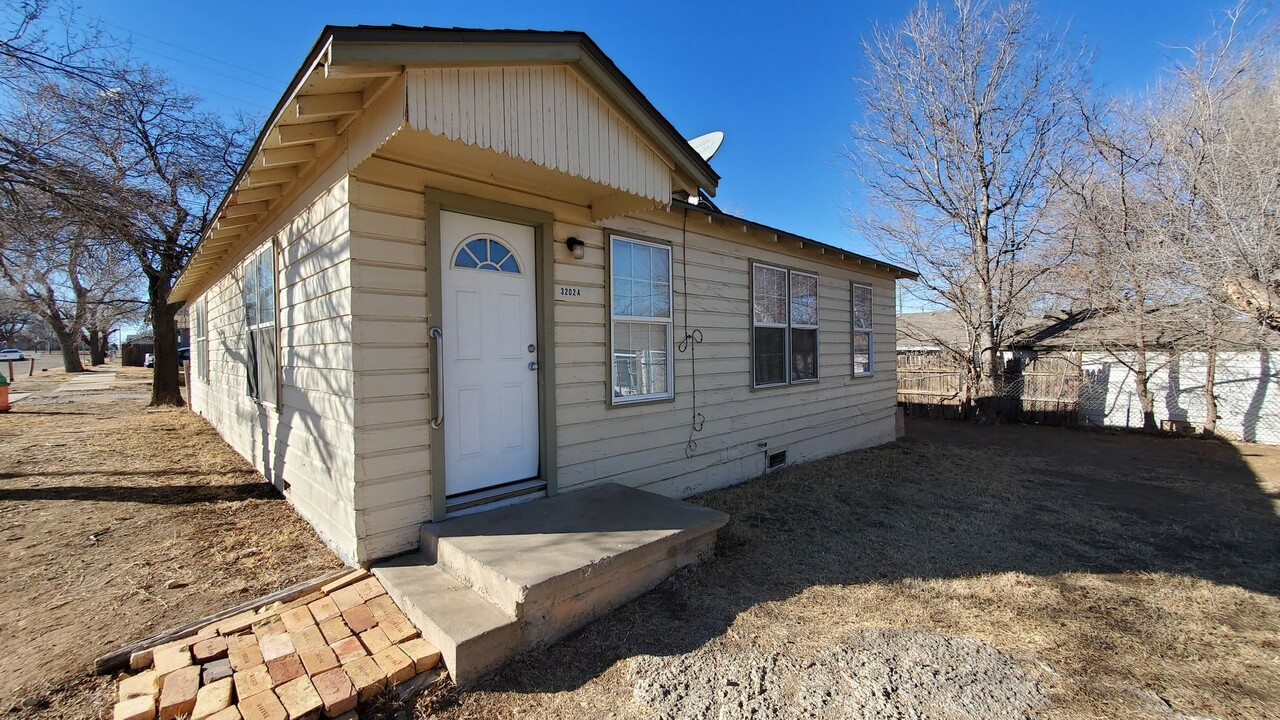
438	201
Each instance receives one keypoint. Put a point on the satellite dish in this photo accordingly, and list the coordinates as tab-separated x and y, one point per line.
707	145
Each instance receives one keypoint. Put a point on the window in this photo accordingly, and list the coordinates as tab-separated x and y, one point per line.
861	326
486	254
261	362
784	326
201	355
640	327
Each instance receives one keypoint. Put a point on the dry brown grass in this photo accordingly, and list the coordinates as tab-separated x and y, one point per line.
119	522
1136	577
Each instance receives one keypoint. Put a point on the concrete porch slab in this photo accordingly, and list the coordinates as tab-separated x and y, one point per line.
549	566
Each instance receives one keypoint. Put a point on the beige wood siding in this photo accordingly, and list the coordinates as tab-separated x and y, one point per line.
305	444
642	446
389	304
549	116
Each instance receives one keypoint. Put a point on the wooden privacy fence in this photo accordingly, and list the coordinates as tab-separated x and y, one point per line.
1043	388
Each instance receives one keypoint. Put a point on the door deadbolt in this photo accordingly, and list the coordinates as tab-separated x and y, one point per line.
531	347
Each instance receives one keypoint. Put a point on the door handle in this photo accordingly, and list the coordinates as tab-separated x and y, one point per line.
437	336
533	365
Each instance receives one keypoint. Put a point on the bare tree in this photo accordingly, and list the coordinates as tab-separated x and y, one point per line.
969	115
15	318
1218	129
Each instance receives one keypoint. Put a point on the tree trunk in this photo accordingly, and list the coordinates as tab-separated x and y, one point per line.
164	382
1210	400
94	341
70	349
104	345
1146	400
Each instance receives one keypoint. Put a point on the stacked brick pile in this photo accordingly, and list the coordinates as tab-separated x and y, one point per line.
320	655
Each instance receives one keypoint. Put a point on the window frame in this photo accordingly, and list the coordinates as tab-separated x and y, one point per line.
627	400
254	390
790	325
200	339
855	331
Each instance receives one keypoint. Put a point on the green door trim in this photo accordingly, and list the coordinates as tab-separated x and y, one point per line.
438	201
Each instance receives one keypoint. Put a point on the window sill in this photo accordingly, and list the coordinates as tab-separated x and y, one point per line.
614	403
864	375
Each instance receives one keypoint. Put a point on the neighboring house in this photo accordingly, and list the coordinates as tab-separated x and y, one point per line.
1086	360
461	266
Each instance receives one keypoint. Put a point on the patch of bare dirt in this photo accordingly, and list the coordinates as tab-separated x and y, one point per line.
872	675
118	522
1130	576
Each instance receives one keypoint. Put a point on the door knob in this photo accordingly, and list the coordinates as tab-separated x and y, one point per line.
533	365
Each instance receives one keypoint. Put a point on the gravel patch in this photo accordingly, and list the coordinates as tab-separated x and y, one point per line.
872	674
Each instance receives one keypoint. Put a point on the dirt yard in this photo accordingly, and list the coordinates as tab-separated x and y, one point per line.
1078	574
117	523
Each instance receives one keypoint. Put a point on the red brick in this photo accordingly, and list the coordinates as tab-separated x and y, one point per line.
275	646
374	640
336	692
318	660
252	681
395	664
359	618
178	694
208	650
341	582
423	654
369	588
240	642
323	609
348	649
299	698
296	619
367	676
347	597
245	658
137	708
334	629
307	638
398	628
263	706
237	623
383	607
270	626
284	669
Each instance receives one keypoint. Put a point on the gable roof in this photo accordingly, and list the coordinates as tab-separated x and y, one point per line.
359	63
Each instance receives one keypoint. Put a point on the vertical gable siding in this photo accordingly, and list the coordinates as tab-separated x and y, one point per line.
305	445
545	115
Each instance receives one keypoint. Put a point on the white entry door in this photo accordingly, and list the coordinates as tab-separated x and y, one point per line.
489	352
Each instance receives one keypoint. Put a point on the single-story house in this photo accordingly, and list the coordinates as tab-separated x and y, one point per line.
1094	362
462	267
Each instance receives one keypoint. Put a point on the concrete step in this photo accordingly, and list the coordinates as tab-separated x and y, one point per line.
473	636
556	564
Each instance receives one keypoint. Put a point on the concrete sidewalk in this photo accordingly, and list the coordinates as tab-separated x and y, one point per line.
88	382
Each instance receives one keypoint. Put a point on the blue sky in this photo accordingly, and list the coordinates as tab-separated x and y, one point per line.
775	76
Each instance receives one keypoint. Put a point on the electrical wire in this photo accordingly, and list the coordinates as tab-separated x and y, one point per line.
691	339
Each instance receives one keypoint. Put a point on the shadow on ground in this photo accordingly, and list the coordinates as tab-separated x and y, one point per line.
953	501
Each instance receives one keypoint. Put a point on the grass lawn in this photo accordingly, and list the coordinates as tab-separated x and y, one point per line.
1128	576
1132	576
117	523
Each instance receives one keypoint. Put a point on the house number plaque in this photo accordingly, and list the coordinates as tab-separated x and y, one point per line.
570	292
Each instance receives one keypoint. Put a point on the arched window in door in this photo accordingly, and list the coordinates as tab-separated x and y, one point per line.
486	254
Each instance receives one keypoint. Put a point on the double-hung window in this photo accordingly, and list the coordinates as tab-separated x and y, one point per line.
201	355
261	363
784	326
640	320
861	328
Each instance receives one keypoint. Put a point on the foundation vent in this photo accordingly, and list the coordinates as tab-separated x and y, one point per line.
777	459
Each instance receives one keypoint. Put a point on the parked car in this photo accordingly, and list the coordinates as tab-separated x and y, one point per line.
184	354
12	355
149	360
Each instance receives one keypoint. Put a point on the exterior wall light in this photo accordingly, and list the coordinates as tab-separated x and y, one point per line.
577	247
